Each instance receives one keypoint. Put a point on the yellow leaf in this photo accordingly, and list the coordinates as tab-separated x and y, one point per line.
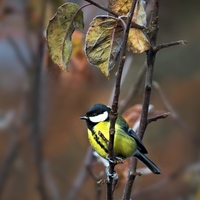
137	41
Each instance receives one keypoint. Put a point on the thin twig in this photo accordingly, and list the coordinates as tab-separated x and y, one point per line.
130	179
133	24
113	114
169	44
134	90
103	8
162	183
50	182
155	118
175	115
151	54
165	101
98	182
19	54
9	159
81	175
36	109
153	24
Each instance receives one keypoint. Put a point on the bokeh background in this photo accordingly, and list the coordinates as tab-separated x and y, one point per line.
43	144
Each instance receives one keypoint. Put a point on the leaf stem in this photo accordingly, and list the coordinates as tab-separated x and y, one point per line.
103	8
133	24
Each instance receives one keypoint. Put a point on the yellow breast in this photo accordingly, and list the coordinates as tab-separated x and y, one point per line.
124	145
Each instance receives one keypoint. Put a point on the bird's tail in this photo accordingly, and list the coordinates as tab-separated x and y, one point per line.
147	162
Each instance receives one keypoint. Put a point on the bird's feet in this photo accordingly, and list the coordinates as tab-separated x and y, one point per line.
117	160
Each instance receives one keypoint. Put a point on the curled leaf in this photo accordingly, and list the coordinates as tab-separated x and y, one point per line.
121	7
103	42
60	30
137	40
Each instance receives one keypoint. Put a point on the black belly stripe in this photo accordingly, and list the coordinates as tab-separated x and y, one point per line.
96	138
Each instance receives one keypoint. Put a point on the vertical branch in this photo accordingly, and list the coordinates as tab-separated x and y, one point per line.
36	109
130	179
82	175
135	89
9	159
113	114
151	55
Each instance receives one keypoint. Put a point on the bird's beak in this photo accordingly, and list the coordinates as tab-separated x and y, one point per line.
84	117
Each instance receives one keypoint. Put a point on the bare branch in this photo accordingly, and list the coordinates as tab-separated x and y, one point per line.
175	115
165	101
153	24
134	90
151	55
50	182
162	183
81	176
36	102
113	114
98	182
130	179
19	54
155	118
166	45
103	8
133	24
9	159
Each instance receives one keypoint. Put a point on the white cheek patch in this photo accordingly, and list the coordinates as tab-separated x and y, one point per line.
99	118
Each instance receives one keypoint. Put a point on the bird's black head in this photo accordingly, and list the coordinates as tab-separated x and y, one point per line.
97	113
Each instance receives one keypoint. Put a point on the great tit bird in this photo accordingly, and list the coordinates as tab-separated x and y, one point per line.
126	141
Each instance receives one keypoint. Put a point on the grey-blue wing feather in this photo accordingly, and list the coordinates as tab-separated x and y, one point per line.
132	133
141	146
129	131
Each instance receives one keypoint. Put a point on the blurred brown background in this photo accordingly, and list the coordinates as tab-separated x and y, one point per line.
42	140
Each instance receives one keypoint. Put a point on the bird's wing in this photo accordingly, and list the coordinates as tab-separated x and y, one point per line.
141	146
129	131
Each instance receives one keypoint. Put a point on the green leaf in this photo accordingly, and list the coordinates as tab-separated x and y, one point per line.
103	42
60	30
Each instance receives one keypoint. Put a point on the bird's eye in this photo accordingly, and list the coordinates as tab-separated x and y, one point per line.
94	114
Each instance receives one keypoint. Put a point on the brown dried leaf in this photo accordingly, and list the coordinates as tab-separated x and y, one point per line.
121	7
103	42
137	41
60	30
